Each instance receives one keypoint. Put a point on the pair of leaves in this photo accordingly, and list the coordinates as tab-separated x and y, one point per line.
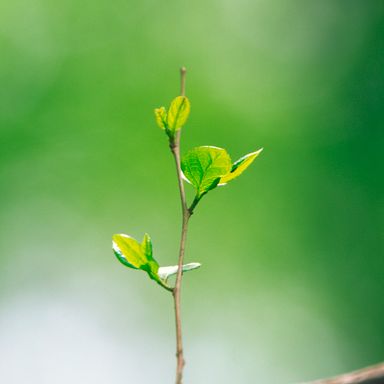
137	255
176	116
207	167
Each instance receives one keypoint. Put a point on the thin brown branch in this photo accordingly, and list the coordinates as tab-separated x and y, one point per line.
175	148
369	375
183	72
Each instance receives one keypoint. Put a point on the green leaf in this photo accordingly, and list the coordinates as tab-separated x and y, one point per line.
128	251
178	113
239	167
161	117
166	272
137	256
146	245
204	166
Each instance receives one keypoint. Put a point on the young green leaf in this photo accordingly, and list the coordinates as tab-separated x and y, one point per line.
137	256
178	113
161	117
128	251
239	167
204	166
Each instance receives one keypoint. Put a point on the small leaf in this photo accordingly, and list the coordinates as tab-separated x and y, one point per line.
146	245
239	167
137	256
165	272
178	113
204	166
161	117
128	251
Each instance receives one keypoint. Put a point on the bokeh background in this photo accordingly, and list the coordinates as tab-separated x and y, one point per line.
292	283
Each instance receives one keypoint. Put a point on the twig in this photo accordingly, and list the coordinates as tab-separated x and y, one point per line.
175	149
369	375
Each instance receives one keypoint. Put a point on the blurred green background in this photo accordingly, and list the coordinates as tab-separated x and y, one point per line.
292	283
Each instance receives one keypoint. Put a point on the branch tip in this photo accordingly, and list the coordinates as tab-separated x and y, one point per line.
183	72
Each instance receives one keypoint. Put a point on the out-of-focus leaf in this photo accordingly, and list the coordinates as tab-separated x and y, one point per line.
137	256
239	167
165	272
178	113
161	117
204	166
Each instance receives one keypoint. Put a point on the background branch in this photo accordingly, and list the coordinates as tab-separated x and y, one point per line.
369	375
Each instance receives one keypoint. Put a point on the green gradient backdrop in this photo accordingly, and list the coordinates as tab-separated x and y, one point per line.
292	282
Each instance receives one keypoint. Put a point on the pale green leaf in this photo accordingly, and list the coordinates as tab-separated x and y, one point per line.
161	117
204	166
165	272
137	256
239	167
178	113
